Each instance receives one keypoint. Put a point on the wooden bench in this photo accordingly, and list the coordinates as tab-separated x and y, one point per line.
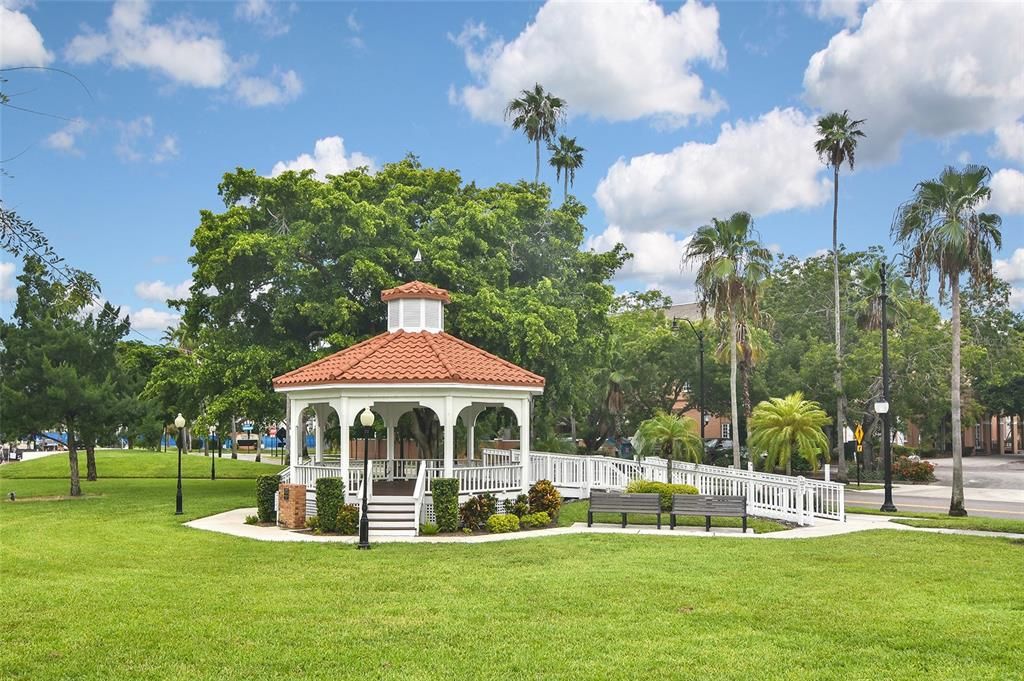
605	502
707	506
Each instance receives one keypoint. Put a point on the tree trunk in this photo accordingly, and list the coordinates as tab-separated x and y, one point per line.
163	440
259	445
746	402
840	398
90	460
956	503
565	192
536	176
732	389
234	437
76	485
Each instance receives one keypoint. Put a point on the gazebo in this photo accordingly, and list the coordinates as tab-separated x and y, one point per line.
414	364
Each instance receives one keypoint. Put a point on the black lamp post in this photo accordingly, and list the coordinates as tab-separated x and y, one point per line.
366	418
882	407
213	459
179	423
700	344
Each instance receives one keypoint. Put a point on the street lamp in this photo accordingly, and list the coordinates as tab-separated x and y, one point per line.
213	459
882	406
366	418
700	344
179	423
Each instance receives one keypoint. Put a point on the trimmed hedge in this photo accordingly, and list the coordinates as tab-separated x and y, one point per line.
503	522
348	519
544	497
663	489
445	492
475	512
539	519
330	497
266	488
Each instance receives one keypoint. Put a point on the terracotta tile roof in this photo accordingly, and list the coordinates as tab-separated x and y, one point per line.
406	357
415	289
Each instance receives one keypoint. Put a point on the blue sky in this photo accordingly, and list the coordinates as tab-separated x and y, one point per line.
687	111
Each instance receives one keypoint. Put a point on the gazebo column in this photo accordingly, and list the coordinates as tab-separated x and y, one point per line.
321	428
469	416
524	441
449	438
345	419
295	431
391	448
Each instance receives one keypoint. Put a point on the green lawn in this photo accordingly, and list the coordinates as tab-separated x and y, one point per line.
863	487
576	511
113	587
119	463
916	519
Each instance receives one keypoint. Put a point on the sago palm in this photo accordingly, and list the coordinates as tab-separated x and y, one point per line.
732	263
567	158
942	229
784	426
672	436
836	145
537	113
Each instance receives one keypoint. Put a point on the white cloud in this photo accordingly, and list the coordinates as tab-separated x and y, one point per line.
136	142
355	28
265	15
830	10
761	166
21	43
328	158
657	261
934	68
7	287
160	291
1012	270
166	150
612	60
183	49
149	319
1007	192
1009	142
64	140
280	88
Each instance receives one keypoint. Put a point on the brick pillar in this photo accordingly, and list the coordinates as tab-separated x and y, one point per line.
291	506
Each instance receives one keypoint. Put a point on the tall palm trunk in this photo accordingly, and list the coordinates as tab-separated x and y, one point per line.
536	175
840	398
746	400
732	388
565	190
956	504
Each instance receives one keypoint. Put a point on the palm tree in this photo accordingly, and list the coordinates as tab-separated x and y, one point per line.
837	144
732	265
942	229
567	158
674	437
783	426
537	113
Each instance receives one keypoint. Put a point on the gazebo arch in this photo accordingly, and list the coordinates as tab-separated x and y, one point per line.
414	364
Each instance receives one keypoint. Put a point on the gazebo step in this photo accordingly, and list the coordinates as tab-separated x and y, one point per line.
391	516
390	523
396	532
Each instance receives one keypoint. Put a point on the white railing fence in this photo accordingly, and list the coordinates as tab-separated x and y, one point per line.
419	491
479	479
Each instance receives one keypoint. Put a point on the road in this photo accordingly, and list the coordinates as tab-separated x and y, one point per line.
993	487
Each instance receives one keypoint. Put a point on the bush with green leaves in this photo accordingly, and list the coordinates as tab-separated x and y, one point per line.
266	488
330	497
539	519
445	492
477	509
313	523
519	506
544	497
662	489
348	519
251	520
502	522
429	529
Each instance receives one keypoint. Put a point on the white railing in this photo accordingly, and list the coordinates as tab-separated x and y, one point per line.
478	479
286	475
419	491
309	474
496	457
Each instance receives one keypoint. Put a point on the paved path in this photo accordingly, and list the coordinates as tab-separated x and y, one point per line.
233	523
993	503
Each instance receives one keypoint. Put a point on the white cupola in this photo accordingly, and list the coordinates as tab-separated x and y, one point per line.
415	307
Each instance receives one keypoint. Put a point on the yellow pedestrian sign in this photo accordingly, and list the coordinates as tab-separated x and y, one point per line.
859	434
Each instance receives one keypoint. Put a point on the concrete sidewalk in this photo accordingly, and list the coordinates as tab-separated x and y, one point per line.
233	523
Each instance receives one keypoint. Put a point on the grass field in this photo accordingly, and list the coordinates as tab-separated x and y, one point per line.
916	519
113	587
119	463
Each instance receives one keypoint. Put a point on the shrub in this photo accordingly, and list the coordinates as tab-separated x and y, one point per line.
330	497
313	523
914	471
663	489
348	520
446	503
251	520
544	497
266	488
519	506
429	529
475	512
539	519
502	522
901	450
